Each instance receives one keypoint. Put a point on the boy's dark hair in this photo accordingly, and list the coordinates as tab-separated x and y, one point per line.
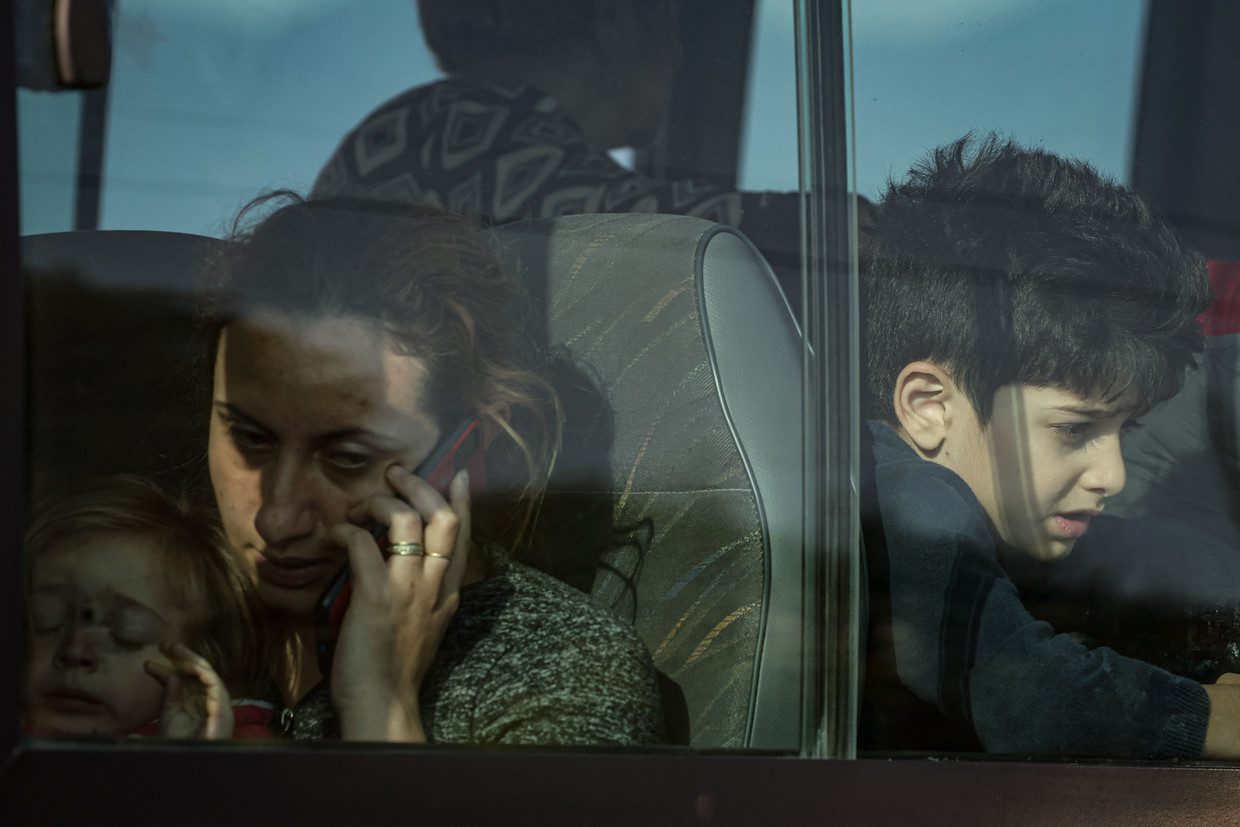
1008	265
464	34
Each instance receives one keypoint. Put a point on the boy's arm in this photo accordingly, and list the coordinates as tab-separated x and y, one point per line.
1223	729
965	641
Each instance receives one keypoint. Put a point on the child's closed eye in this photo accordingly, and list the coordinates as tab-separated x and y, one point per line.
133	628
49	611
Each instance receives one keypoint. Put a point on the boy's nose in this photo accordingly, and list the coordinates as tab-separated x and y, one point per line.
287	509
1106	475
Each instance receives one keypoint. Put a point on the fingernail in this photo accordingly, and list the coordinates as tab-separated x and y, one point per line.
462	478
397	471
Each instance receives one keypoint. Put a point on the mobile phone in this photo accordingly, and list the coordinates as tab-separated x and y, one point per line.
461	448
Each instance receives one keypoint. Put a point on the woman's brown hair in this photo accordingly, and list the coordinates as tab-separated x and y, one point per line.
201	573
438	293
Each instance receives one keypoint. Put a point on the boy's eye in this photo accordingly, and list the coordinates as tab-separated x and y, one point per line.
1074	430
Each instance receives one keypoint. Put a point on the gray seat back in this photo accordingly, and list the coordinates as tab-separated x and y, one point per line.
699	358
112	362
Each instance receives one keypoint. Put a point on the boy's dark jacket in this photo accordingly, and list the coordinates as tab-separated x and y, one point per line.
955	660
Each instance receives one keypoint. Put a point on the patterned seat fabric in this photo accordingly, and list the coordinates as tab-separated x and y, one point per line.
623	295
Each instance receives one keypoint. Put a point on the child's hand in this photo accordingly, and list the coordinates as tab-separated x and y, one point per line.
196	704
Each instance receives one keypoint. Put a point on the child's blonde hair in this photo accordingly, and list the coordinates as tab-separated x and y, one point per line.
200	571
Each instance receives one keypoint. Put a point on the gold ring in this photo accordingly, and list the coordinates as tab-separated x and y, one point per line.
407	549
440	556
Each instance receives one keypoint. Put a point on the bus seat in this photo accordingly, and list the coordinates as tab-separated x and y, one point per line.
699	357
682	325
112	365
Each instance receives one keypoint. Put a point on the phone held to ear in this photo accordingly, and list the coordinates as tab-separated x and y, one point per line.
461	448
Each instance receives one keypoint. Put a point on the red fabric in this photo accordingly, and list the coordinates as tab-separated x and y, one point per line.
252	719
1223	317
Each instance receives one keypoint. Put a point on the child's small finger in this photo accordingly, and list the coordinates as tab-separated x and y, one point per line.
210	679
184	656
174	691
159	671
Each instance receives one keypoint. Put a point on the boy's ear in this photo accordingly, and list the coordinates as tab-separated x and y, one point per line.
925	399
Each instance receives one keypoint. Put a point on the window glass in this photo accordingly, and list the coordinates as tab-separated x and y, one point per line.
601	366
1048	469
638	378
208	105
49	123
768	147
1061	75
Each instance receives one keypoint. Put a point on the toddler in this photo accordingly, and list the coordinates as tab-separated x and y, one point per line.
139	621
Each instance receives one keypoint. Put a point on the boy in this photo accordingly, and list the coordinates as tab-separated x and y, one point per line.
1021	312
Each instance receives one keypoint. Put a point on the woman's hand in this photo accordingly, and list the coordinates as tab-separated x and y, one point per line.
196	703
400	606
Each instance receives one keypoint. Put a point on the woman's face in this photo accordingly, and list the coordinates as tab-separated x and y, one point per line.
307	414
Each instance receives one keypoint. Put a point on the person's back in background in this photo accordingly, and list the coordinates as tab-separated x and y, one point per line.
537	93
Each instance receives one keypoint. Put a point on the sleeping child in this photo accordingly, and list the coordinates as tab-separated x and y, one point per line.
139	621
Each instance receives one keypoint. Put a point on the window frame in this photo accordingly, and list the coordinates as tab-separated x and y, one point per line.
12	403
831	378
235	783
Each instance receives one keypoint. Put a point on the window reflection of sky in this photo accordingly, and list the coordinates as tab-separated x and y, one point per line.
1054	73
1062	74
212	102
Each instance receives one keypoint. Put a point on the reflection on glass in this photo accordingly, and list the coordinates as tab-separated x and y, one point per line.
521	127
1022	313
49	124
322	384
1064	76
140	621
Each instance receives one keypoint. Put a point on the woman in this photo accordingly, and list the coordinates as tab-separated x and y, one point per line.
348	343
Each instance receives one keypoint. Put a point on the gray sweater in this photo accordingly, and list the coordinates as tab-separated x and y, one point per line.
526	660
